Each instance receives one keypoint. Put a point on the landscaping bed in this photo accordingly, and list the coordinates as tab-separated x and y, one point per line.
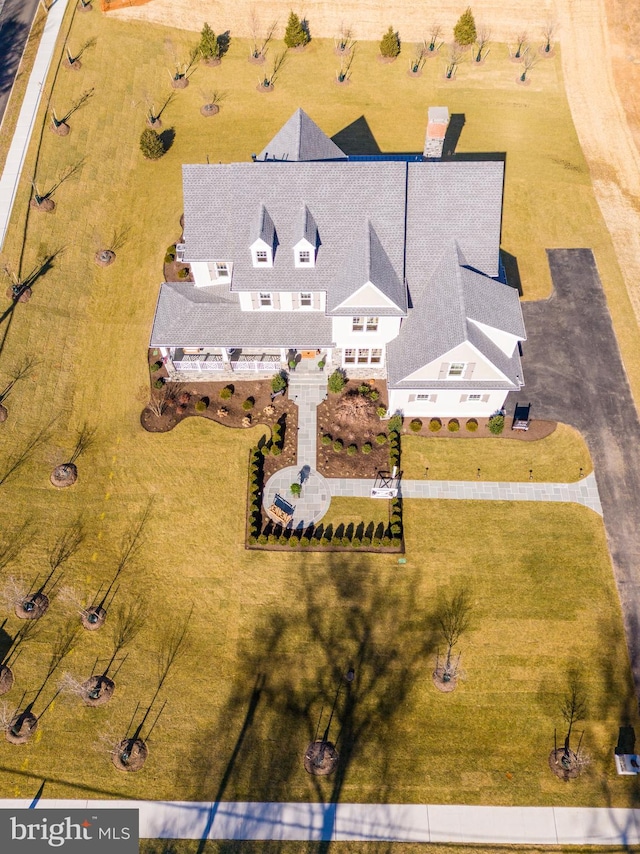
474	428
352	439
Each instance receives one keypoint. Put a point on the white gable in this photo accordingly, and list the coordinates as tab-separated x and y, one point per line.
477	366
303	245
367	296
504	340
261	245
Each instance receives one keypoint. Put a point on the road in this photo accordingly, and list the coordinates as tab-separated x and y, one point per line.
16	17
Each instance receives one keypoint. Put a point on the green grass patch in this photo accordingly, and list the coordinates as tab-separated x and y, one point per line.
283	625
558	458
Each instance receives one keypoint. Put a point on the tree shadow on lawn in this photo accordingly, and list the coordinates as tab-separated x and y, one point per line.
291	675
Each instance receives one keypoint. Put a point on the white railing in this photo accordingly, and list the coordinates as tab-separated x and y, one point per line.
256	366
198	366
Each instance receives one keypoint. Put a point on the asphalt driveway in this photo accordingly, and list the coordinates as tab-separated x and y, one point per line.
574	373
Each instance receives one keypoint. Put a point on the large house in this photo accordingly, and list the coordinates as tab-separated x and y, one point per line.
384	266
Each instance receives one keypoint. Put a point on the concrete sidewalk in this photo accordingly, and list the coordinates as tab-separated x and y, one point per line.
26	120
371	822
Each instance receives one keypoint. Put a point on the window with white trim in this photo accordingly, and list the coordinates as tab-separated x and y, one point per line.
304	256
357	324
362	356
306	300
262	256
475	397
372	324
426	397
457	369
265	300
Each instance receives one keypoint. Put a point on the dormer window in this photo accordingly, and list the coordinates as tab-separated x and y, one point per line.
262	256
263	248
265	300
304	256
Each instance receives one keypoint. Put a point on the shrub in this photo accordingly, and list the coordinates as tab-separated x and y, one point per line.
364	390
296	489
278	382
396	519
208	47
395	528
397	542
183	273
321	364
471	425
338	445
435	425
293	541
292	364
170	254
416	425
386	541
345	541
366	541
336	381
305	542
262	539
326	439
381	411
151	144
282	540
356	542
496	424
352	449
395	423
453	426
376	541
381	439
366	448
464	31
248	404
155	367
390	44
295	35
272	539
252	540
158	383
226	392
265	450
276	450
200	406
324	541
184	397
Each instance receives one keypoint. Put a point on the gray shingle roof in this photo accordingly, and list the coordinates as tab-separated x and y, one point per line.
187	316
222	204
266	229
301	139
438	322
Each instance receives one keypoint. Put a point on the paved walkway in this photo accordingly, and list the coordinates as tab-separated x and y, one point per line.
310	506
371	822
26	120
584	491
307	389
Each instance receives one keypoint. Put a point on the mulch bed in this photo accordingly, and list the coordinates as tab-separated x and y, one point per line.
138	752
261	88
171	270
537	429
259	390
93	618
60	130
209	110
46	205
180	83
63	475
555	763
320	758
100	685
26	723
76	65
40	602
352	428
104	257
440	684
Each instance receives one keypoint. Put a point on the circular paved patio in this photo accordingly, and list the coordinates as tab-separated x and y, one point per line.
310	506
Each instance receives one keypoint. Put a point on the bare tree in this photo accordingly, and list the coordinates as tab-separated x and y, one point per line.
269	80
548	32
573	708
153	113
454	619
344	41
184	69
481	47
419	59
212	99
344	74
432	45
41	197
66	544
530	60
172	646
158	402
456	56
66	473
260	42
73	59
60	121
106	253
521	46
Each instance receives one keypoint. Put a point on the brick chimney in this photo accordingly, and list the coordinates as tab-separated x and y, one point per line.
436	130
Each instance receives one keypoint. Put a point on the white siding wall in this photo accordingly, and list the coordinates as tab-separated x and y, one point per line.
201	275
282	301
245	301
448	403
481	369
388	329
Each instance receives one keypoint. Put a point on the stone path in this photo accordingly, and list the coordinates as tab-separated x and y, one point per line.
318	822
26	119
584	491
307	388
